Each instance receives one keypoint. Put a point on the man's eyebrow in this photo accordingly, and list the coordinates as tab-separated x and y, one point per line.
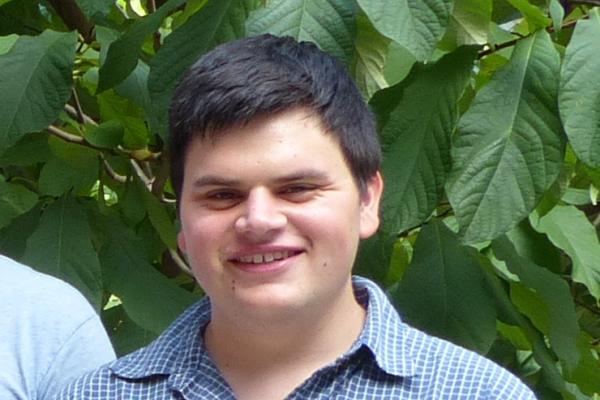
299	175
215	180
308	173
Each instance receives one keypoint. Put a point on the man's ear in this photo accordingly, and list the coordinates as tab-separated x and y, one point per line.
369	206
181	241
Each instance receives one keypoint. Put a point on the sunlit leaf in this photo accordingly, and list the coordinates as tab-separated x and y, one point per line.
417	25
570	230
328	23
579	94
369	58
469	24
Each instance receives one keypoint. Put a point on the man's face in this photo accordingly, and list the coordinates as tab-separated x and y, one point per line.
271	215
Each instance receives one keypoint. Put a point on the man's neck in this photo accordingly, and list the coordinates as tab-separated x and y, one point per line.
268	359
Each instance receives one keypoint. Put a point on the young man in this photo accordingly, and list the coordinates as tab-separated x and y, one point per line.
275	163
50	334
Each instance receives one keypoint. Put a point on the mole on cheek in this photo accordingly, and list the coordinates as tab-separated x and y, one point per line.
233	285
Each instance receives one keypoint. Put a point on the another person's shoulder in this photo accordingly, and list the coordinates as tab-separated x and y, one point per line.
48	329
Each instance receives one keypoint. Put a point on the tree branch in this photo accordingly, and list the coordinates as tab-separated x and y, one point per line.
74	18
180	262
500	46
73	112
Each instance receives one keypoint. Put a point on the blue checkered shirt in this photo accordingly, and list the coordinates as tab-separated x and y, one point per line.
390	360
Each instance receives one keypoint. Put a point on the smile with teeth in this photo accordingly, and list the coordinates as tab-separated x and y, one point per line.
264	257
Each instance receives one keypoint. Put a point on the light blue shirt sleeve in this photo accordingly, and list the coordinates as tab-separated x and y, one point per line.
49	334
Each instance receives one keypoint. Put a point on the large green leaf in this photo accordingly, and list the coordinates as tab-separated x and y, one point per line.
444	291
328	23
150	299
217	22
417	25
579	93
369	58
570	230
469	23
62	246
14	201
562	328
510	144
416	133
35	82
123	53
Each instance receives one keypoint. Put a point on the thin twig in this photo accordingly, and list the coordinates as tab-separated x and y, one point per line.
112	173
74	113
66	136
142	175
78	106
180	262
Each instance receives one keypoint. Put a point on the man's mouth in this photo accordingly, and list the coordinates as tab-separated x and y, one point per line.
261	258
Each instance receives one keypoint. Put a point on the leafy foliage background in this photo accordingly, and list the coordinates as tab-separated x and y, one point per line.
490	126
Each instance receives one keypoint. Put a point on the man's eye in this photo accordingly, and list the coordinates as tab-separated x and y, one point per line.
298	193
222	195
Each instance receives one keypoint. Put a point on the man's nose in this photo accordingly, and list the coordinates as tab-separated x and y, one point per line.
262	216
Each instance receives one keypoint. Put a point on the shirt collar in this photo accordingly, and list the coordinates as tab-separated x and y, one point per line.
180	348
384	333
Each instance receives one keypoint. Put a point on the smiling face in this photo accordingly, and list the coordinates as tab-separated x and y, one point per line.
271	216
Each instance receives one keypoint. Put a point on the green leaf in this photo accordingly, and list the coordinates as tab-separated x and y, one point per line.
73	168
570	230
328	23
536	18
123	53
369	58
150	299
108	134
7	42
95	10
468	25
443	291
557	13
589	367
563	330
30	150
508	313
62	246
217	22
158	215
510	144
417	25
535	246
399	61
14	201
580	90
416	135
35	82
13	238
131	117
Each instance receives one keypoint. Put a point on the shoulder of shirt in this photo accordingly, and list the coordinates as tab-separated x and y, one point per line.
37	292
402	350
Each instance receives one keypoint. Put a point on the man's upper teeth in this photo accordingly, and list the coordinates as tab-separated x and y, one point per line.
265	257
